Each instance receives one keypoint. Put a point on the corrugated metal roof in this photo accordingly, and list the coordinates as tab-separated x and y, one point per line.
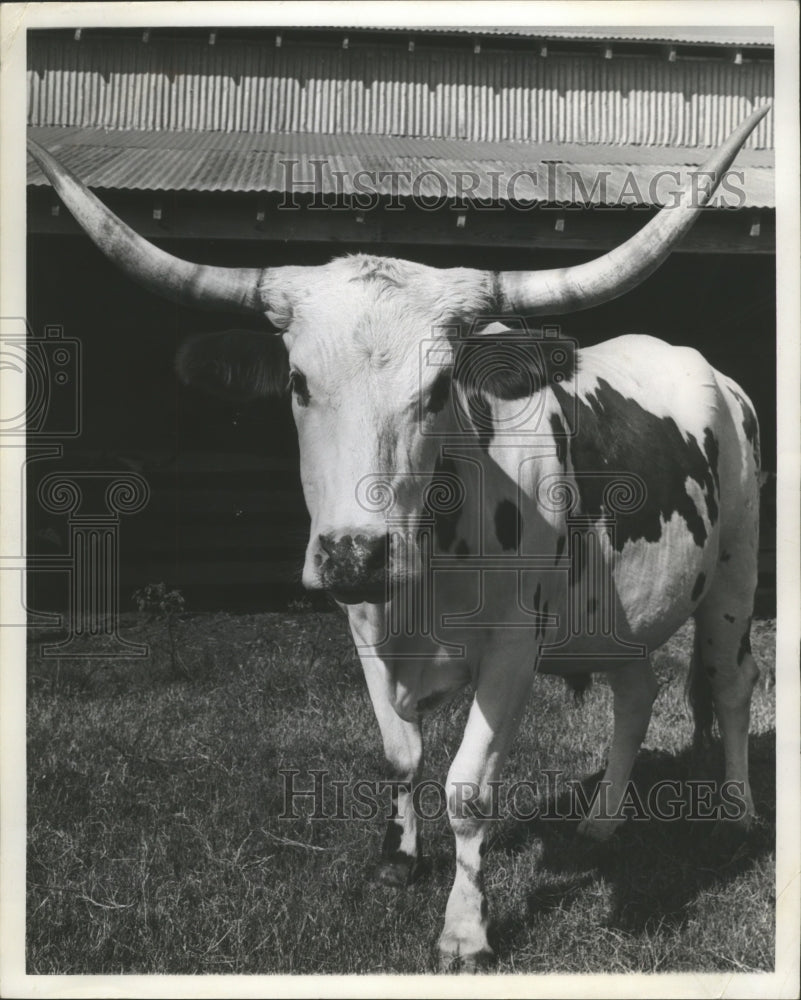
761	36
442	91
728	35
363	164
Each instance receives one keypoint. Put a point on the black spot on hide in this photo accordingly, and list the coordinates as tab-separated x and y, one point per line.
507	366
612	433
508	526
510	366
440	392
560	437
750	425
745	644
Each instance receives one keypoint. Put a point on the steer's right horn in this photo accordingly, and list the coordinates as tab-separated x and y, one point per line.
569	289
238	289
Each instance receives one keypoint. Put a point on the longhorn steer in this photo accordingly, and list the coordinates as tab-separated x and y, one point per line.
532	448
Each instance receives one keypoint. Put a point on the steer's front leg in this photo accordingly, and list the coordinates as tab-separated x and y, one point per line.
403	749
503	686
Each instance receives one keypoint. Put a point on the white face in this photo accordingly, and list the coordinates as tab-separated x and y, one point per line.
368	415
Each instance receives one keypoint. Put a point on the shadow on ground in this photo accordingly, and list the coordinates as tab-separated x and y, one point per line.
655	868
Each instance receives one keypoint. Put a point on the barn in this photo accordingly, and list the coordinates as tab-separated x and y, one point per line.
509	148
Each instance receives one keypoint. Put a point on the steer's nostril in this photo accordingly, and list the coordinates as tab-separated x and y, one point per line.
376	553
327	544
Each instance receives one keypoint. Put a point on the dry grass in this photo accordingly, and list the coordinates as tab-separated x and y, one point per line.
155	844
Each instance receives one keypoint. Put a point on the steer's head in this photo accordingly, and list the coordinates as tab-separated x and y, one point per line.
350	331
369	410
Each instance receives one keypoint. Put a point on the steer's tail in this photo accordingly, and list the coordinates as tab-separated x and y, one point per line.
699	695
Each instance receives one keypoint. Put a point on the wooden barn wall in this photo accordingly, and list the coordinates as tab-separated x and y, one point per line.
439	91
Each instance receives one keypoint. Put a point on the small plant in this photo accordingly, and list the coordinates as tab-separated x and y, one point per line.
157	601
299	605
160	604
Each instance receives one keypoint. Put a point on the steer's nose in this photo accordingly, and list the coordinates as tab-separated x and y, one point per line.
354	567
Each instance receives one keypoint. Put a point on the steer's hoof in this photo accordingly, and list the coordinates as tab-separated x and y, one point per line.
467	953
470	962
396	873
731	836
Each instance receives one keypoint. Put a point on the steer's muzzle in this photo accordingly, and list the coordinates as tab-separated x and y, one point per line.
353	567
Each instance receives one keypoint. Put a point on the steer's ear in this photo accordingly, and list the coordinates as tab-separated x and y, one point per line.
238	365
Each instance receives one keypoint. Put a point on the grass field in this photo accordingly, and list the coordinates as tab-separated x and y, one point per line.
155	843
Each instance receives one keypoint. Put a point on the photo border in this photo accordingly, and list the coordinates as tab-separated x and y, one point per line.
15	20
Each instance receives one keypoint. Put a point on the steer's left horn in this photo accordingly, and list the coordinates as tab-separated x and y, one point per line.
238	289
569	289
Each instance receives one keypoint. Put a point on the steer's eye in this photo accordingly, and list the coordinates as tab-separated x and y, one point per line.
440	391
297	386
